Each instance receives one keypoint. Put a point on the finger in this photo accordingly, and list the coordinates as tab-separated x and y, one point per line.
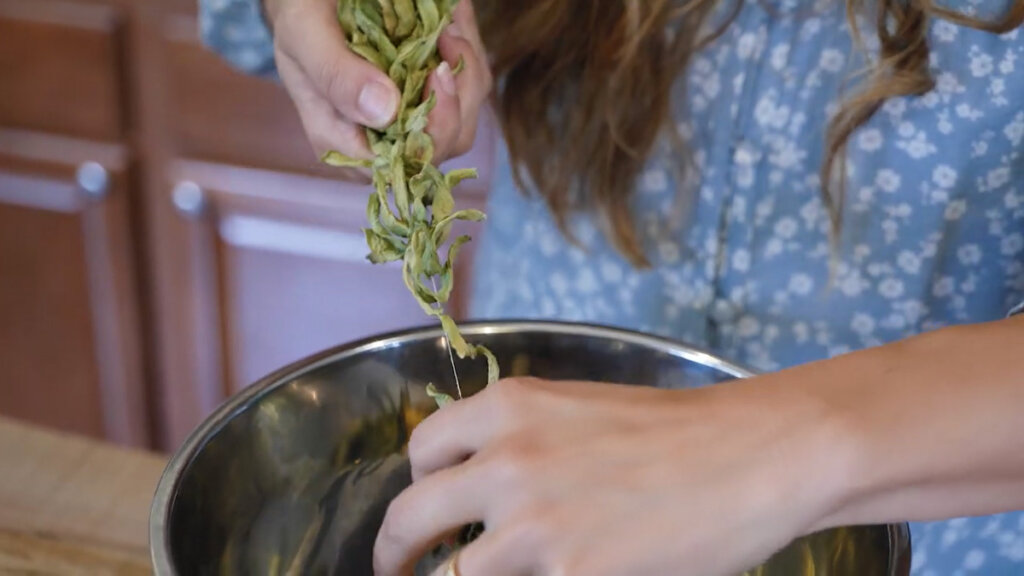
473	84
464	17
326	131
421	516
444	124
450	436
309	33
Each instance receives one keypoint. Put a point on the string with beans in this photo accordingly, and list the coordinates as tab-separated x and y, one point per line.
412	209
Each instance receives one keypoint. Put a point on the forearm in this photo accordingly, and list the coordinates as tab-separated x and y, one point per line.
933	427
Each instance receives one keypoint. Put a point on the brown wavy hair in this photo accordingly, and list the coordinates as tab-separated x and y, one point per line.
585	90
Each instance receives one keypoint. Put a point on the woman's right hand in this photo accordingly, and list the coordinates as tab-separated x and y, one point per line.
338	93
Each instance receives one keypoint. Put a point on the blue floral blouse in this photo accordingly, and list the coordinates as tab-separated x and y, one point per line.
933	225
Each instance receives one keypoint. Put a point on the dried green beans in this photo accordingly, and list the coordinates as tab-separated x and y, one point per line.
412	209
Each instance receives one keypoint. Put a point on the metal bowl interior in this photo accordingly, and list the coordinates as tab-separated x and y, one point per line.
293	474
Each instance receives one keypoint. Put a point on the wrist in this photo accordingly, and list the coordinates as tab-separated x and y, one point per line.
811	455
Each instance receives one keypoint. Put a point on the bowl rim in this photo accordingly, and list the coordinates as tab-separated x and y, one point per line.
171	477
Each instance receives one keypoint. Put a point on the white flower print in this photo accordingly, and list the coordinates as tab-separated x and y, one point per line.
888	180
748	326
996	89
655	180
968	286
974	559
853	285
769	113
947	84
586	281
832	60
1012	200
906	130
938	196
890	230
801	331
943	287
748	46
871	139
801	284
895	107
891	288
919	147
909	262
1014	131
944	125
969	254
1006	66
998	177
944	176
930	100
741	261
780	56
1012	244
956	209
787	155
981	64
945	31
866	196
559	283
964	110
786	228
862	324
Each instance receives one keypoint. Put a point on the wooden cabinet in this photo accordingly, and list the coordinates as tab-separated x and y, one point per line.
71	341
70	351
61	68
263	244
167	236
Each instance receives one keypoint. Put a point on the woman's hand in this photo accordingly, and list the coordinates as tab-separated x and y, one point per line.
590	479
338	93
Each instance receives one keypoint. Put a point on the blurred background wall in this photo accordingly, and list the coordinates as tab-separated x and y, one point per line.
166	235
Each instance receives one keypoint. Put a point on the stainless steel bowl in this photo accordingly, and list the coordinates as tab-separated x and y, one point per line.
293	474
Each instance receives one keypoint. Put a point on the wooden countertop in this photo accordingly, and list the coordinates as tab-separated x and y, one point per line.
73	506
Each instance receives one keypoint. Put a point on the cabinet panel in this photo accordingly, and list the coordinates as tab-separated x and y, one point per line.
290	291
69	340
276	271
60	68
223	115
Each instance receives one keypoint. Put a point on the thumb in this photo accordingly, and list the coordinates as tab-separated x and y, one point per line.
357	89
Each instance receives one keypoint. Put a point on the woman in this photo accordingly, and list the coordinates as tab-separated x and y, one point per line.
736	184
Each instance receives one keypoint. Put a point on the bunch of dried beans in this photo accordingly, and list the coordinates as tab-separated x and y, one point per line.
412	209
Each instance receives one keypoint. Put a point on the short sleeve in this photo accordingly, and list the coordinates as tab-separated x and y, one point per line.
238	32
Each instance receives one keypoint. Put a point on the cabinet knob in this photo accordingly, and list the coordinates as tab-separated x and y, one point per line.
93	179
189	199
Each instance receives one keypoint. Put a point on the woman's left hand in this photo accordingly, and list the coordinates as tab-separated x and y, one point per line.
574	478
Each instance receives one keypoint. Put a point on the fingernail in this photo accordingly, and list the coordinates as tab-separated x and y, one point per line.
454	30
446	79
377	103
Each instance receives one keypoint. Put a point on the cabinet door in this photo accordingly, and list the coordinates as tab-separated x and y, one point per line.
70	356
61	68
272	269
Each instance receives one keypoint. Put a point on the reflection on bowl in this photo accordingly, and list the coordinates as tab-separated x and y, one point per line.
293	475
